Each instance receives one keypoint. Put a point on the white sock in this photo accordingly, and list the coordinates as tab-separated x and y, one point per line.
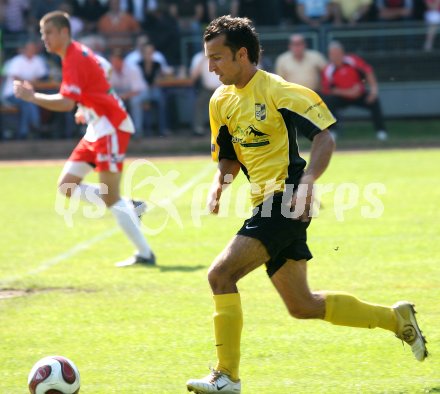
127	219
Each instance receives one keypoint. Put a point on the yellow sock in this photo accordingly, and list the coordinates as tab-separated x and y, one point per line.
346	310
228	322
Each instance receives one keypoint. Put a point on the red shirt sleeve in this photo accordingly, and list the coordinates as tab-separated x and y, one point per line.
71	85
360	64
325	80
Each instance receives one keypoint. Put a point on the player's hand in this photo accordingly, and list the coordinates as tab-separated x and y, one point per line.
371	97
213	201
23	90
79	117
302	200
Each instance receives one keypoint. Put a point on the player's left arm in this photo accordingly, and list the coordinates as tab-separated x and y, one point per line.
313	122
373	87
367	72
321	152
54	102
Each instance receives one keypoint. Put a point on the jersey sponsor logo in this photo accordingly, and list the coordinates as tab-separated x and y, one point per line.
260	111
253	131
313	106
250	137
72	89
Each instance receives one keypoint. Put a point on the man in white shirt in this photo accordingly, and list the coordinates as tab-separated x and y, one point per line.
207	82
135	56
127	80
27	66
301	65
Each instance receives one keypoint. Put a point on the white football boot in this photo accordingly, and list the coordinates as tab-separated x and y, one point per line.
215	382
408	329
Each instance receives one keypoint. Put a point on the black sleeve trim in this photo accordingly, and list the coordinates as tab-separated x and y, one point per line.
300	124
226	147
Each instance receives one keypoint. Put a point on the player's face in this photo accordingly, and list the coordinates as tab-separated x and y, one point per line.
53	37
223	62
336	55
297	46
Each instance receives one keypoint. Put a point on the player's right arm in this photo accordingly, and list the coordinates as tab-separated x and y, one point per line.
54	102
222	151
226	172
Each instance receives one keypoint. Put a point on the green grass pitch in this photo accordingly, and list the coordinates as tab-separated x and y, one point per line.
148	330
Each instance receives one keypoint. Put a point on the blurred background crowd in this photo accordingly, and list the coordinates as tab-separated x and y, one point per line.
159	69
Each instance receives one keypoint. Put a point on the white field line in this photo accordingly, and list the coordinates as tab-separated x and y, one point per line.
100	237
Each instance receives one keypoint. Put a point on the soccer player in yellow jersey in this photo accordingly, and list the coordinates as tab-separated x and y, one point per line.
255	118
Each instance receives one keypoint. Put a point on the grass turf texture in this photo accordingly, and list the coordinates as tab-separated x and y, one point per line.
147	330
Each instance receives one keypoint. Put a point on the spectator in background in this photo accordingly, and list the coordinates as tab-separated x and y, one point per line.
16	15
394	10
432	19
76	23
135	56
130	86
42	7
26	66
89	11
315	12
152	71
163	30
288	12
118	26
301	65
95	42
205	84
351	11
222	7
348	80
138	8
189	13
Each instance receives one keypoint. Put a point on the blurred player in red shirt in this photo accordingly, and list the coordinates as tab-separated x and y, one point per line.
348	80
109	128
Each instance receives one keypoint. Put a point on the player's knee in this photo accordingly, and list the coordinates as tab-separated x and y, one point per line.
219	277
215	277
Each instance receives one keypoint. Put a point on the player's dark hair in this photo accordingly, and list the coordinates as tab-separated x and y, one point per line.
59	19
238	33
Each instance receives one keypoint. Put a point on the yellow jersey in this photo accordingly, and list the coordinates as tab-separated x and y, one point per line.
258	126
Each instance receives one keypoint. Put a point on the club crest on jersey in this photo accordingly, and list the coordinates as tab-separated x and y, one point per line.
260	111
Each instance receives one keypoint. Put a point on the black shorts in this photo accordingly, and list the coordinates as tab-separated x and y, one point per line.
283	237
